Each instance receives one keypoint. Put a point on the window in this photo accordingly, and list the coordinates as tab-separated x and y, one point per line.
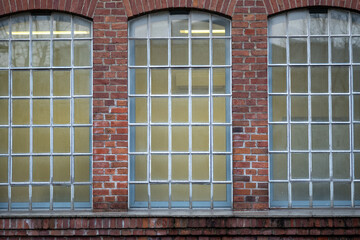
46	116
314	106
180	111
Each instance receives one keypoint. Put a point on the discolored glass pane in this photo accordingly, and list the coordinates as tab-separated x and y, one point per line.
62	194
159	81
357	165
319	50
356	111
200	24
179	167
4	82
82	110
159	192
299	137
82	168
278	137
299	108
179	81
40	197
298	50
61	83
82	139
138	28
341	165
179	26
40	26
180	110
200	109
356	194
339	22
278	79
201	192
82	28
299	80
279	194
180	138
200	52
41	111
299	165
340	108
221	141
61	169
139	49
139	110
41	83
221	106
340	136
41	140
356	78
159	167
220	50
356	136
220	192
356	49
82	52
41	53
158	52
200	81
319	79
342	194
61	111
62	26
20	140
20	83
318	23
3	140
4	28
4	107
277	25
221	167
3	170
220	80
320	137
4	54
220	26
277	50
20	54
138	165
139	139
339	79
159	25
159	109
141	192
180	192
82	80
300	194
138	83
278	163
297	22
20	169
200	138
278	108
340	49
179	52
61	140
159	138
319	108
62	53
321	194
20	26
41	168
81	193
20	194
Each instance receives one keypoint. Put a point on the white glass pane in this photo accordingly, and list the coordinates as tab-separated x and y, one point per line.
318	23
339	22
277	25
159	25
297	22
138	27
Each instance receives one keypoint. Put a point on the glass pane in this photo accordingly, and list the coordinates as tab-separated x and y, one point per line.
20	195
41	169
319	108
4	108
4	28
299	108
20	169
200	51
159	167
318	23
180	192
297	22
340	137
200	138
62	26
82	110
220	51
141	192
277	79
139	52
299	166
179	81
159	25
357	166
21	83
339	22
138	165
321	194
340	79
159	109
61	83
341	165
200	81
82	168
82	28
179	167
3	140
82	80
40	26
180	110
138	28
201	193
220	26
61	140
357	193
41	83
277	25
62	196
138	108
355	23
4	54
356	136
221	169
340	108
159	81
279	194
221	78
300	194
220	192
277	50
40	197
159	138
298	50
200	24
159	192
278	137
82	52
356	49
20	27
81	195
319	50
158	52
41	53
61	111
319	79
356	78
278	166
3	189
179	52
4	82
82	139
41	140
299	136
3	170
200	109
62	53
41	111
138	83
356	111
221	106
179	26
61	169
20	140
20	54
139	139
320	137
340	49
180	138
342	194
221	142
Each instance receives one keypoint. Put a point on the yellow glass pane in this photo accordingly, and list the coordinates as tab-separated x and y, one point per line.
61	169
201	192
340	108
20	169
299	165
3	140
277	50
20	194
179	52
340	79
319	108
62	53
180	138
82	28
159	167
319	50
159	192
219	80
159	109
40	194
180	192
220	48
41	83
62	26
20	140
220	193
159	52
138	83
41	140
221	139
20	27
200	24
141	192
221	107
21	83
159	81
82	168
140	52
200	81
4	54
200	167
320	136
82	82
41	53
138	107
61	83
299	137
61	111
220	167
340	137
40	26
139	164
200	138
319	79
41	111
200	52
299	108
320	165
82	139
278	139
41	169
82	108
61	140
82	51
179	167
20	54
4	194
62	194
3	169
298	50
299	79
4	83
180	110
179	81
341	165
82	193
140	139
4	103
159	138
200	109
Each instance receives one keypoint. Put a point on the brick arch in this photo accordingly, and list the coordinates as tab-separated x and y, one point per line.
137	7
275	6
81	7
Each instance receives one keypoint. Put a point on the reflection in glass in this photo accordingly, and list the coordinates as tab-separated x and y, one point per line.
41	53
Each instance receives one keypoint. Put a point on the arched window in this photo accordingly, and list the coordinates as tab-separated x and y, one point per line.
46	112
180	111
314	106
